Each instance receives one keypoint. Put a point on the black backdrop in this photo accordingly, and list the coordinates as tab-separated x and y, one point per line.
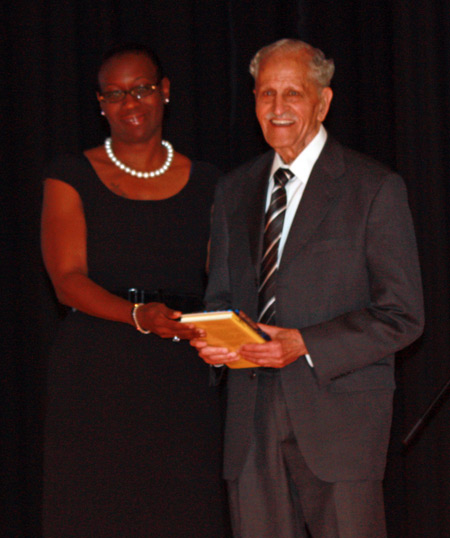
392	95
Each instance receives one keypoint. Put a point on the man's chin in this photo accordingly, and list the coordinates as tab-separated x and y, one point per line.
288	152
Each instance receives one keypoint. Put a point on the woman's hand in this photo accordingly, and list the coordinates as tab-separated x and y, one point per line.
161	320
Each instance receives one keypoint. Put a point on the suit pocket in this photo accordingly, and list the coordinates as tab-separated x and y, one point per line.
374	377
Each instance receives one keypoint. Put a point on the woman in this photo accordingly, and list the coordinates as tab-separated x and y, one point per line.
132	444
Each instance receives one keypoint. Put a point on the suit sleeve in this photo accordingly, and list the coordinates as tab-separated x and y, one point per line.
394	317
218	292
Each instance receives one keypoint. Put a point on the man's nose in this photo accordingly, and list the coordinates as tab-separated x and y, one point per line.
279	105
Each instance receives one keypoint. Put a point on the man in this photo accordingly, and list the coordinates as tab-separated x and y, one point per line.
307	429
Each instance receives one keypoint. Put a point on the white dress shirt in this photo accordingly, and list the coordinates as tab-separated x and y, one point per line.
301	167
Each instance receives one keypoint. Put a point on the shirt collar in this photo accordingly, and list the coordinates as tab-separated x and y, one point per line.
304	162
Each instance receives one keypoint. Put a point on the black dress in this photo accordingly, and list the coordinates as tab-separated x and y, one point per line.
133	430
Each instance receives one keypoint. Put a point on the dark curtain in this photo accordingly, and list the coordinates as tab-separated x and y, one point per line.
392	91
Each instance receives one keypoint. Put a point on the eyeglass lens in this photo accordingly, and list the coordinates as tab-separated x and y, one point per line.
138	92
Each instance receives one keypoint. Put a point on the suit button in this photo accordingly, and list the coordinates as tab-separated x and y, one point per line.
252	374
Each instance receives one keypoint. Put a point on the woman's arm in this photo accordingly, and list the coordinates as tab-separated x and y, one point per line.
63	241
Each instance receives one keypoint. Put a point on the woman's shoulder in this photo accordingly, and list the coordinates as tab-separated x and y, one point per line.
66	164
206	170
73	169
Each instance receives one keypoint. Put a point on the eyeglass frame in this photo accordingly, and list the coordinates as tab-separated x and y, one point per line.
151	87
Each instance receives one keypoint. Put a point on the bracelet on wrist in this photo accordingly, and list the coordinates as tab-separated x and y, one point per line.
136	322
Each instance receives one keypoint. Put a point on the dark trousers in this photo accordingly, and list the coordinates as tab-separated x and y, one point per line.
277	495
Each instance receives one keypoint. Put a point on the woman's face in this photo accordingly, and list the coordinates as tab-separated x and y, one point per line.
132	119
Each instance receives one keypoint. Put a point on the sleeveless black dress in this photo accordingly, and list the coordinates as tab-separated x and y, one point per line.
133	430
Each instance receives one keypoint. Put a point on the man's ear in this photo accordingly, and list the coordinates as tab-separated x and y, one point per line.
326	95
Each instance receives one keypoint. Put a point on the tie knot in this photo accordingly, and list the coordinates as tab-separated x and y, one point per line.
282	176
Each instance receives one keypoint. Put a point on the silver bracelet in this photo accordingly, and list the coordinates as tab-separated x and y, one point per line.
134	316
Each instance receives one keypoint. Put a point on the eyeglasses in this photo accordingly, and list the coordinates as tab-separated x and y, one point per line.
138	92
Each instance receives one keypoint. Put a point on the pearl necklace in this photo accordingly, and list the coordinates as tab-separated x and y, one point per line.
136	173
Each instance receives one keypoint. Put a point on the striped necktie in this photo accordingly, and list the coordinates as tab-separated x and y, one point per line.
272	234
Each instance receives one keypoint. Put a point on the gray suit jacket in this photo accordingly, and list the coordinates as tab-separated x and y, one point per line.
349	280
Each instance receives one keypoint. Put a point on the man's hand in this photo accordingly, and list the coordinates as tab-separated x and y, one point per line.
286	346
217	356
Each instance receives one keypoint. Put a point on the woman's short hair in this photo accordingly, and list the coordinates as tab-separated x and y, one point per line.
121	49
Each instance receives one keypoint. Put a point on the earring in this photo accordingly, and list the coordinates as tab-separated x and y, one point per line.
102	112
166	100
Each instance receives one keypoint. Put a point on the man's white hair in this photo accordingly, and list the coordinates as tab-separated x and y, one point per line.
322	69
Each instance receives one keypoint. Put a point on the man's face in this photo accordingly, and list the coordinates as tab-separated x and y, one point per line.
290	106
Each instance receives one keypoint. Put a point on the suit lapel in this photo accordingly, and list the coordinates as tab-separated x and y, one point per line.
256	200
321	189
